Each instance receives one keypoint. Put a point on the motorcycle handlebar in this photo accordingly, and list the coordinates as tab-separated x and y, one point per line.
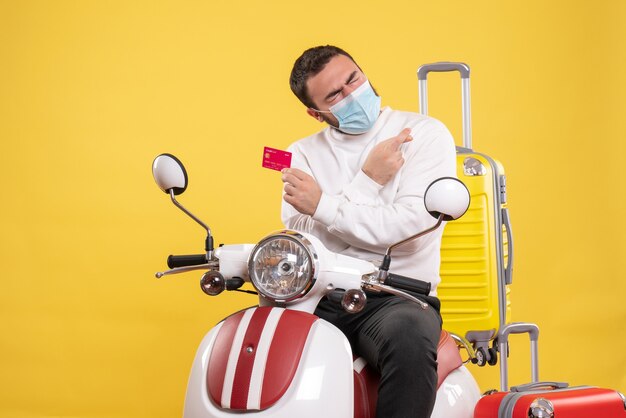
407	283
174	261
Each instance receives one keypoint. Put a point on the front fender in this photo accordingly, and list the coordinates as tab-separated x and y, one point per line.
322	379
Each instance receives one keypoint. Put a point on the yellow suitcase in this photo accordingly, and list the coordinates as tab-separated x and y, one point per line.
477	249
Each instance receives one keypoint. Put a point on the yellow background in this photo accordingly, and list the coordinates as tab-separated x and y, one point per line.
92	91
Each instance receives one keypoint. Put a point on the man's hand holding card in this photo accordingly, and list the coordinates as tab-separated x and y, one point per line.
301	190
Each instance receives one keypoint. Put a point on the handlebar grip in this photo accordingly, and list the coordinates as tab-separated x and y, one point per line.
407	283
174	261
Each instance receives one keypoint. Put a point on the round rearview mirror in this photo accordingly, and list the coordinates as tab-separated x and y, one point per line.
447	196
169	173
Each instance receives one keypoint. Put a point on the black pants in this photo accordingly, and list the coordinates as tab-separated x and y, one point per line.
399	339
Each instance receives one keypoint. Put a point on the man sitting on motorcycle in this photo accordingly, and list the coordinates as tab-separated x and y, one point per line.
358	185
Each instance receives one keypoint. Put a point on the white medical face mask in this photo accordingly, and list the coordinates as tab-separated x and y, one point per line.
357	112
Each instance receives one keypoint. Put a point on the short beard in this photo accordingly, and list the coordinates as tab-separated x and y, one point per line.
331	120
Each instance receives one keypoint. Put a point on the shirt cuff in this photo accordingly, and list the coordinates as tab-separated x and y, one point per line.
362	189
327	209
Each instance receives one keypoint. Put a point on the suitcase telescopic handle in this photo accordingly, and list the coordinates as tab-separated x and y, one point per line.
464	70
503	340
443	67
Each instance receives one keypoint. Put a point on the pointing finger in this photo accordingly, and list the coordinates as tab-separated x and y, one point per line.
403	137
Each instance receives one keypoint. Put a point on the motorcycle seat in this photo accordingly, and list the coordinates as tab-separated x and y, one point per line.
366	378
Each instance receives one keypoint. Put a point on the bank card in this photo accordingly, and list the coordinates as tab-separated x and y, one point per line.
276	159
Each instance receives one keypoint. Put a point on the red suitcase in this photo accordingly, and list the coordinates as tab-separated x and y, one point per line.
542	400
545	399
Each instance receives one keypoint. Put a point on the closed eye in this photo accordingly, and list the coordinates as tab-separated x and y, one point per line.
354	77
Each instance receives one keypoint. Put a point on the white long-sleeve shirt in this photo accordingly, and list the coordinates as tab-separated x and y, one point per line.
360	218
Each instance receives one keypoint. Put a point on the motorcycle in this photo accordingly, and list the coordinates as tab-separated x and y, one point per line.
278	359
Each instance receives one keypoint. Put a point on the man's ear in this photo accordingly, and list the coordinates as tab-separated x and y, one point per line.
314	114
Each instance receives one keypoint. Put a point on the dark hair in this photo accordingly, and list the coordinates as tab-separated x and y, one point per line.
309	64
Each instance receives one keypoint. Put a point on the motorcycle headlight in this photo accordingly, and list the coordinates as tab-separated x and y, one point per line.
283	266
